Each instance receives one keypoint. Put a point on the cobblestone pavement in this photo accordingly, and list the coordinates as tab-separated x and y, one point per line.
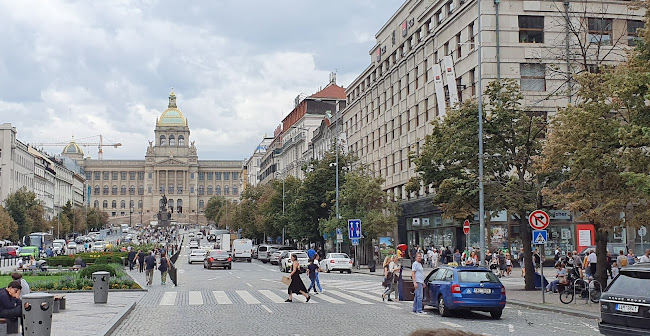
250	299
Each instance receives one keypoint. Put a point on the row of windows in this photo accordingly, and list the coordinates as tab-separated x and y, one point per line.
217	176
170	189
122	190
170	203
115	175
599	30
172	140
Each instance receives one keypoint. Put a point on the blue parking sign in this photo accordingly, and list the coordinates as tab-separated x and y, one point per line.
354	228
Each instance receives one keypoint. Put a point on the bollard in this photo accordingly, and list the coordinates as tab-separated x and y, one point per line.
37	314
100	286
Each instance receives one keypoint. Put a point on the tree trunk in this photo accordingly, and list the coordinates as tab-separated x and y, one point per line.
526	235
601	253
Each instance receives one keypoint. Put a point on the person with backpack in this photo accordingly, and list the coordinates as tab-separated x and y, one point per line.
621	260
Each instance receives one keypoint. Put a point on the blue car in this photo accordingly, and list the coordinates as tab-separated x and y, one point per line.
450	288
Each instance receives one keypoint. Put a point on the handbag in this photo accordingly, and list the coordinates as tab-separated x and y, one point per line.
286	280
387	281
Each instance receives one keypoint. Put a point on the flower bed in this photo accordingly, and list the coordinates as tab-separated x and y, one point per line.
82	280
88	258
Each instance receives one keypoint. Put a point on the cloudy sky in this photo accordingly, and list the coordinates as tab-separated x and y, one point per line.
83	68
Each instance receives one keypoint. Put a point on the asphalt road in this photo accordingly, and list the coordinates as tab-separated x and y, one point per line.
249	299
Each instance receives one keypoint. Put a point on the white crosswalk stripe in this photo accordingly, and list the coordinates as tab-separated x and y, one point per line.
247	297
329	299
196	298
348	297
168	299
221	297
271	296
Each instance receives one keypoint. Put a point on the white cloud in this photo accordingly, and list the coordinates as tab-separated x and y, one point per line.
88	68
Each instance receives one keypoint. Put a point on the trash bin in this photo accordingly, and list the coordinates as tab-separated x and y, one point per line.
37	314
371	265
100	286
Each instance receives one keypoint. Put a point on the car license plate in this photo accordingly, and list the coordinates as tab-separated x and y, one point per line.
482	291
221	259
627	308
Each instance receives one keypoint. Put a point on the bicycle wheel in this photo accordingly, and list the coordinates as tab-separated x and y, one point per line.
566	296
595	295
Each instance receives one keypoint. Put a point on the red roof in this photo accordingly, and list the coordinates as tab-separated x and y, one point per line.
330	91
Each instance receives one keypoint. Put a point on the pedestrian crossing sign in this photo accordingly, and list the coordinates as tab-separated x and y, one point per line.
540	237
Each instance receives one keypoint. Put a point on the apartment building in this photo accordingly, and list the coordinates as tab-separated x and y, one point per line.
254	162
425	60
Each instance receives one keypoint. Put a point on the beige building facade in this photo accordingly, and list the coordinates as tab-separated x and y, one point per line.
171	167
425	60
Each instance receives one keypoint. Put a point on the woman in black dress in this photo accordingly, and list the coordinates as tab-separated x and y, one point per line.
296	286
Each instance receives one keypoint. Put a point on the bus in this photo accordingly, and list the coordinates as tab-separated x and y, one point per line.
39	239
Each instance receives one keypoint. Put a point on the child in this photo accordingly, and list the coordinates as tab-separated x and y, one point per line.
311	271
614	270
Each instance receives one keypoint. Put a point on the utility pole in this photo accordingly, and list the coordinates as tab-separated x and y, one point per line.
338	216
481	198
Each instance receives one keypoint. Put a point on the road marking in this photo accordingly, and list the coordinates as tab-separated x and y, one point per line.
301	298
168	299
329	299
348	297
267	309
238	277
271	296
451	324
221	297
230	272
511	328
249	285
196	298
247	297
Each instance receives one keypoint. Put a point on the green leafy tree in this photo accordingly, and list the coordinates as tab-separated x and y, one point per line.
448	160
213	210
8	227
96	219
362	198
25	210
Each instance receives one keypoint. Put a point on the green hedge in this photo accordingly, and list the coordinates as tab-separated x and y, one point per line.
88	258
88	271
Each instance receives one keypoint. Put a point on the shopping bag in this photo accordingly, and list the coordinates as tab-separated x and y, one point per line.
286	280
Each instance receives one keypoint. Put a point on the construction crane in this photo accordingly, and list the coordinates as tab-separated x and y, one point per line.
100	144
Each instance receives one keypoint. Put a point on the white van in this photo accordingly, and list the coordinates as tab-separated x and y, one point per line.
242	249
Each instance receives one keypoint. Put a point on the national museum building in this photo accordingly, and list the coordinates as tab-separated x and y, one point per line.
171	167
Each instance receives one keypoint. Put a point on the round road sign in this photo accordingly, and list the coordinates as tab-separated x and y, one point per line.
643	231
538	220
466	227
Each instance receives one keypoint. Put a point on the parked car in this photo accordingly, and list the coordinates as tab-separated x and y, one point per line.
27	251
285	260
4	253
72	246
624	306
196	255
450	288
194	244
13	250
336	262
218	258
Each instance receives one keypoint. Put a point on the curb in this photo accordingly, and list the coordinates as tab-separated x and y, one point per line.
539	306
116	320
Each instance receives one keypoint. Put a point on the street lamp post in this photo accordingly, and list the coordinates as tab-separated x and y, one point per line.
481	197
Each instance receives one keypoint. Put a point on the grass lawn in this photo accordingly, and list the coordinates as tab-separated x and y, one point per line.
31	279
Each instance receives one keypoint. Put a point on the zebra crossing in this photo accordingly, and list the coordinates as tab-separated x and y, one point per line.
270	296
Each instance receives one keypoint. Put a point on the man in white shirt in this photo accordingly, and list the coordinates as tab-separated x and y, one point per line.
646	257
418	284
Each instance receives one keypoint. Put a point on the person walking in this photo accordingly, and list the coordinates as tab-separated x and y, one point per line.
457	257
434	258
631	258
131	256
312	272
417	275
502	263
163	267
392	278
520	258
141	256
150	265
645	258
591	262
296	286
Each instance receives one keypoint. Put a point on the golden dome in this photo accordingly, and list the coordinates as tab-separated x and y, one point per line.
72	148
172	117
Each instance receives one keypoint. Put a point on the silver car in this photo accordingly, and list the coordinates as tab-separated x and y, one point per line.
196	256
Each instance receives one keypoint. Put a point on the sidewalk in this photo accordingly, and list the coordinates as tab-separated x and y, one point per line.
517	295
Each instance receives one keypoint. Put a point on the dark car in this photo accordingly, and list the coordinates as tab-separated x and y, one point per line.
218	258
4	253
450	288
625	303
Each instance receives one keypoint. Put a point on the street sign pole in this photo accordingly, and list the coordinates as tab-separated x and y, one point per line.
541	273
